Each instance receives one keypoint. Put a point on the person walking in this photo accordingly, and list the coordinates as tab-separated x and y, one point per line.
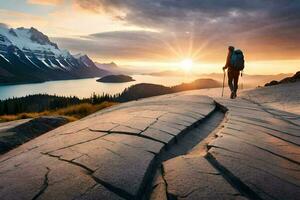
234	64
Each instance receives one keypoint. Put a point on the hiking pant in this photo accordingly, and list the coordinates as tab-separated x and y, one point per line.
233	79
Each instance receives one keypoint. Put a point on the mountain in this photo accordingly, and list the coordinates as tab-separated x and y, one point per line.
292	79
248	81
144	90
197	84
113	68
107	66
27	55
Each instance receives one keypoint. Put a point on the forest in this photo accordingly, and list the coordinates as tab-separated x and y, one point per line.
45	102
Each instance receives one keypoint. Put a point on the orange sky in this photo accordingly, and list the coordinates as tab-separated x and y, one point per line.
160	34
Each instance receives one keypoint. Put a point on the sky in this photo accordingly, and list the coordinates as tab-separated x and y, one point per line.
160	34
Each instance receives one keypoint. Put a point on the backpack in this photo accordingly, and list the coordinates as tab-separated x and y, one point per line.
237	60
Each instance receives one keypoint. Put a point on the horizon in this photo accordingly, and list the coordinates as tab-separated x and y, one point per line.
160	36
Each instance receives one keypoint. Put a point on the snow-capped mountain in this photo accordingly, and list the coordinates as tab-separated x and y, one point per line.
27	55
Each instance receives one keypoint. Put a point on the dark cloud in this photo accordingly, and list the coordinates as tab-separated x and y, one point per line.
153	13
264	28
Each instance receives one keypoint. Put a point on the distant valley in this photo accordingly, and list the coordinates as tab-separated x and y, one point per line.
247	80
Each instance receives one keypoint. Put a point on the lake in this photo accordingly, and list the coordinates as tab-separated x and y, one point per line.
85	87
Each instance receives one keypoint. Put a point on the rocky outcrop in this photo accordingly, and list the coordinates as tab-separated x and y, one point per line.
176	146
280	100
40	38
109	155
18	132
292	79
116	79
251	155
197	84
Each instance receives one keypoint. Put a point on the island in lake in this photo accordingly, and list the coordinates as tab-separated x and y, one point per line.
115	79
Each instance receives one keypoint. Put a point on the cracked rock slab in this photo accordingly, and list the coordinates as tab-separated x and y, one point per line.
192	177
107	155
13	134
258	150
265	181
159	187
158	135
137	142
45	182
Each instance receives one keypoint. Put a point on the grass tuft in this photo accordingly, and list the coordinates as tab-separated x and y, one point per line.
72	113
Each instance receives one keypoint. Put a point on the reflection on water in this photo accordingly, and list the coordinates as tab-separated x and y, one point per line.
85	87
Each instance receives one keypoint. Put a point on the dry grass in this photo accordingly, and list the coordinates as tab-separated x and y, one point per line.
72	113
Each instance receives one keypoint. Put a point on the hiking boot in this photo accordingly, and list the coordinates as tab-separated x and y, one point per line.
232	95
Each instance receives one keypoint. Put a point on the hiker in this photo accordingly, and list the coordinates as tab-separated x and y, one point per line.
234	64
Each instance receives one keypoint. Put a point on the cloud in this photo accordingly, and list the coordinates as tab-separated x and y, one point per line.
46	2
17	19
263	28
230	15
166	47
118	45
179	8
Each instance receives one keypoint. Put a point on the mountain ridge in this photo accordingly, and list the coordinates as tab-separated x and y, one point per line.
292	79
28	55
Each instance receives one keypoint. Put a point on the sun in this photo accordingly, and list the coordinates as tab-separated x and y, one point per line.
186	64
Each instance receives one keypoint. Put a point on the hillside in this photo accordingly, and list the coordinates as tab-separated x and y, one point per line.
292	79
27	55
248	80
197	84
144	90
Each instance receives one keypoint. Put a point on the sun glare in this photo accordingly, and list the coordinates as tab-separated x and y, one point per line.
186	65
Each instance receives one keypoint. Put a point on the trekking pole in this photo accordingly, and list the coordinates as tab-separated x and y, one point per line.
242	81
223	83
